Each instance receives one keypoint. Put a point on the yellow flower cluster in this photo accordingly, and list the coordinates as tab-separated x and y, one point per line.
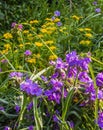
32	60
8	36
49	42
52	57
34	21
85	42
7	48
89	35
85	29
38	44
26	31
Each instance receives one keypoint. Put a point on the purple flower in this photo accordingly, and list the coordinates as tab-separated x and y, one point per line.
83	77
59	24
16	75
57	13
31	127
59	64
27	52
99	79
7	128
53	18
4	61
56	84
95	3
72	58
13	24
44	78
72	72
53	95
20	26
71	124
30	106
83	63
17	108
100	120
97	10
55	119
1	108
100	94
31	88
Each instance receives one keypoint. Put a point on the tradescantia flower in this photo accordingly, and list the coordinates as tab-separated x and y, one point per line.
100	120
27	52
17	108
16	75
31	88
99	79
31	127
7	128
57	13
30	106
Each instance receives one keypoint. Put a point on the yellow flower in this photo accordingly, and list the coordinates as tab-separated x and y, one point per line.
85	42
29	35
88	42
52	28
21	45
8	36
76	17
7	46
34	21
52	57
81	29
87	29
52	47
49	24
39	44
33	28
38	55
89	35
4	51
49	42
25	31
32	60
48	19
44	30
40	35
56	20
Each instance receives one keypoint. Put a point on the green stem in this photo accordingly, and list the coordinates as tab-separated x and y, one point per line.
38	120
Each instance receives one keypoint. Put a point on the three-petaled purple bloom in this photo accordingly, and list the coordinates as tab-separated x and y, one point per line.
7	128
27	52
30	106
71	124
100	120
17	108
95	3
99	79
16	75
1	108
59	24
31	88
57	13
13	24
31	127
97	10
